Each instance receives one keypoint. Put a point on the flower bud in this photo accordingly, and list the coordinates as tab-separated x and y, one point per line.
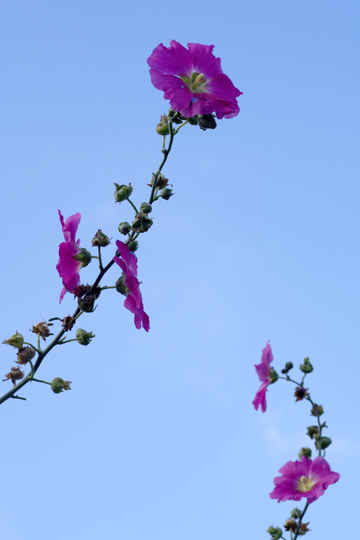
317	410
193	121
100	239
161	181
58	385
68	323
122	192
206	121
175	117
273	376
313	432
15	374
83	336
306	367
275	533
121	287
87	303
124	227
166	193
17	340
322	443
163	127
291	525
145	208
295	512
42	329
300	393
305	451
142	223
83	256
288	366
24	355
133	245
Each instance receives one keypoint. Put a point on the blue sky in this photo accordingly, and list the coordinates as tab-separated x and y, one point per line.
158	438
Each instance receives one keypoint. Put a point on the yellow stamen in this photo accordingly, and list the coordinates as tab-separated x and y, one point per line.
305	483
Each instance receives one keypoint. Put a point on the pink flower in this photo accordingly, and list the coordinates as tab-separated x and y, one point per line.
133	301
193	80
305	478
263	371
68	267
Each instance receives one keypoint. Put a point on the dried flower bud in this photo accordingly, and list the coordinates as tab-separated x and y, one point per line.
305	451
323	442
15	374
68	323
42	329
300	393
100	239
291	525
275	532
122	192
83	336
87	303
17	340
304	528
58	385
288	366
295	512
133	246
313	432
80	290
124	227
306	367
166	193
24	355
317	410
206	121
161	181
83	256
163	127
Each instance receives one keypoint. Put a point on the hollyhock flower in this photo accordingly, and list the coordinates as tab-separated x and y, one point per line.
193	81
71	256
133	301
305	478
263	371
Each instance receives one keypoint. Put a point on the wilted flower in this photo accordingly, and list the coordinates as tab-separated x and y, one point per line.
300	393
68	323
133	301
263	371
42	329
15	374
71	256
193	81
303	478
24	355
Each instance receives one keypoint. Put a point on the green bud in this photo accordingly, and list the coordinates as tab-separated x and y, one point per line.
17	340
175	117
273	376
304	451
295	512
288	366
206	121
306	367
163	127
323	442
145	208
317	410
313	432
142	223
58	385
122	192
133	245
87	303
121	287
83	256
193	121
275	532
166	193
83	336
124	227
100	239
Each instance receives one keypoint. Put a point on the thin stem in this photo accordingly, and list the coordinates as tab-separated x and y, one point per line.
182	125
300	520
45	382
133	205
100	261
32	346
166	152
38	343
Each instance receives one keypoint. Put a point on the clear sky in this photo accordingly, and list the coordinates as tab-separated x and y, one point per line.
158	439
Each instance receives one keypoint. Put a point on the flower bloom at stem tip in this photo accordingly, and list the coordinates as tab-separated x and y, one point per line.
305	478
193	81
263	371
133	301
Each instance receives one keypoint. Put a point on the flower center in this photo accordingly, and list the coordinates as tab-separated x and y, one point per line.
196	83
305	483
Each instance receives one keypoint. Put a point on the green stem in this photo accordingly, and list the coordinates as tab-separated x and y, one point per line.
32	346
100	261
108	287
45	382
300	520
182	125
133	205
38	343
166	152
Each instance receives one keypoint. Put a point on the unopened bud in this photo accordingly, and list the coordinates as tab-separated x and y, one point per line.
122	192
83	256
275	532
83	336
166	193
313	432
288	366
145	208
100	239
124	227
68	323
163	127
206	121
193	121
42	329
133	245
304	451
17	340
121	287
323	442
142	223
58	385
175	117
317	410
87	303
300	393
295	513
24	355
306	367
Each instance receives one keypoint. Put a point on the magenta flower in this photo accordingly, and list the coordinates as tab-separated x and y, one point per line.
133	301
305	478
68	267
193	81
263	371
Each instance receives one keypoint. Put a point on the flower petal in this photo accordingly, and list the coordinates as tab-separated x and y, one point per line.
174	60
